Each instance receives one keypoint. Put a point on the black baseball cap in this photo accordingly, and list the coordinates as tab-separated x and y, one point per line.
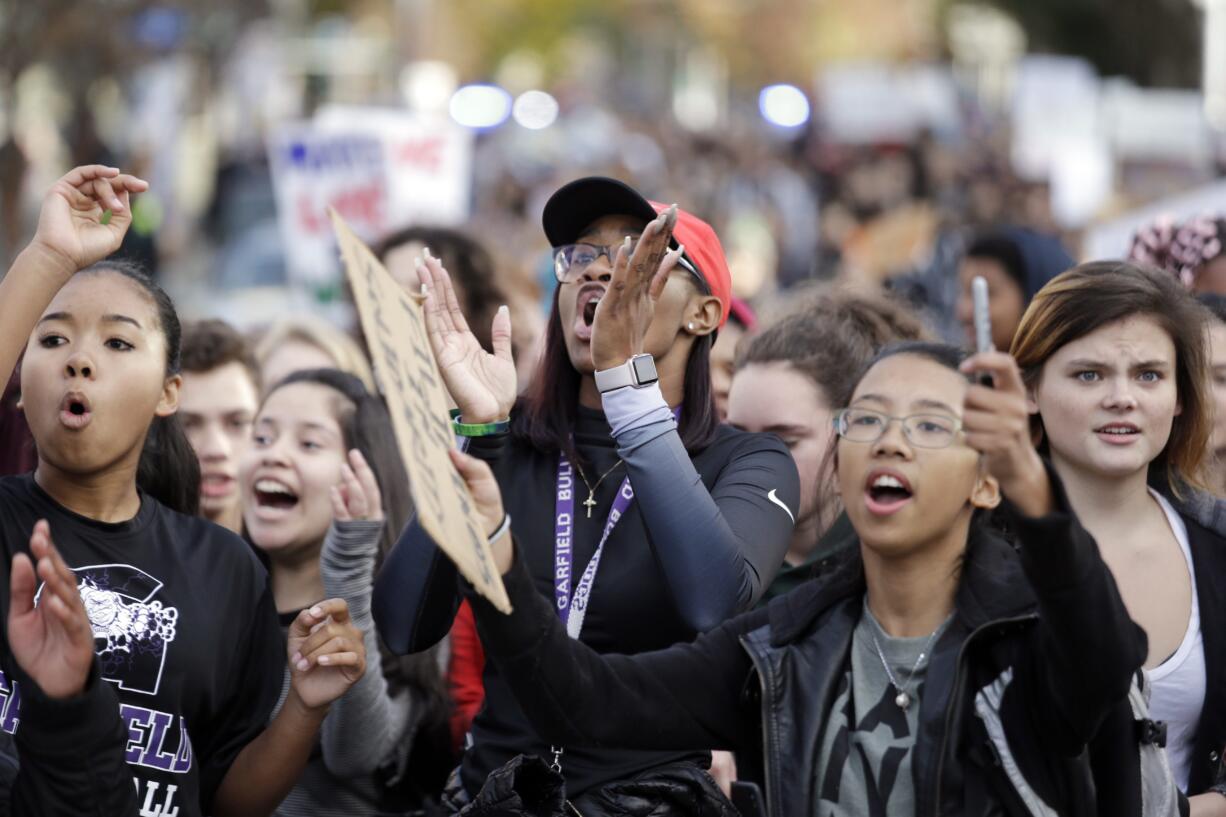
577	204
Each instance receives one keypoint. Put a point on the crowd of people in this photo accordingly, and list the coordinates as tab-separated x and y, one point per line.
814	561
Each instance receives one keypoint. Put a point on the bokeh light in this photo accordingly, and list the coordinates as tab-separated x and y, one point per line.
535	110
784	105
480	106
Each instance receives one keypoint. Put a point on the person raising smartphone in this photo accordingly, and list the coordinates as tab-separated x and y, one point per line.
937	670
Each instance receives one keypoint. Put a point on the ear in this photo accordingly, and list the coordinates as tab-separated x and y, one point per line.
702	315
1178	408
1032	402
986	493
169	402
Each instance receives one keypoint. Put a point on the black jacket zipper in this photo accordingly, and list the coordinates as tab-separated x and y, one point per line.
955	697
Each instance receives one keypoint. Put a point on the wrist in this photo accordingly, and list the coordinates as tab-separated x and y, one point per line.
1031	491
48	261
301	713
609	358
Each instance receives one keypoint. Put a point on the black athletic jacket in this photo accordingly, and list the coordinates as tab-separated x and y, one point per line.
1040	651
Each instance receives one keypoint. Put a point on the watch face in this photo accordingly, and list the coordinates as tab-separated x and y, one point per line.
644	369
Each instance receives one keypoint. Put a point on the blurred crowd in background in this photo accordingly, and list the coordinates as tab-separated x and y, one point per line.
863	143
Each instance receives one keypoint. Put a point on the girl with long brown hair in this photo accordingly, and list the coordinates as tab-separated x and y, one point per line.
1116	366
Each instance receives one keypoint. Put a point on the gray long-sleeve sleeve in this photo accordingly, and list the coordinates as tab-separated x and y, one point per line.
367	726
718	548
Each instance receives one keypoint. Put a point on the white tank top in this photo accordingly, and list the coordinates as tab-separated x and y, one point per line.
1179	682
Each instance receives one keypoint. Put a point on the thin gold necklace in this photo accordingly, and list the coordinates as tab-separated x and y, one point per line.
590	502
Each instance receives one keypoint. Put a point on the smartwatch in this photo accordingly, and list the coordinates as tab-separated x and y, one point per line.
638	371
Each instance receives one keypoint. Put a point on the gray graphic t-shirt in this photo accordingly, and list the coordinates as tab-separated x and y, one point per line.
864	766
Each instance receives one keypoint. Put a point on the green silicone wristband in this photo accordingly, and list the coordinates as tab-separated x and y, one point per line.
478	429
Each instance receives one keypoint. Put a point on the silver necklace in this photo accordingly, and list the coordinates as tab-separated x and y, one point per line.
903	698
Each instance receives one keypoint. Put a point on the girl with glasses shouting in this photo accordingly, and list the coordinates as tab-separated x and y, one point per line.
938	670
644	521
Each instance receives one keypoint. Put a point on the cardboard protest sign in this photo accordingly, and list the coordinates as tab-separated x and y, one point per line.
395	329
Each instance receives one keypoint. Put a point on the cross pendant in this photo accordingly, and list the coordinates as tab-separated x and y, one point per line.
589	503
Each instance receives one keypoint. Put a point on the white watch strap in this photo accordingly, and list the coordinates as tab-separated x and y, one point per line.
615	378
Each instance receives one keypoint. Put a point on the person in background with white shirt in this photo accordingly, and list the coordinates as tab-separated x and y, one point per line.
1116	364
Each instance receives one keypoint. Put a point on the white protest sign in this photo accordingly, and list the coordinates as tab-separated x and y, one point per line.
395	330
380	170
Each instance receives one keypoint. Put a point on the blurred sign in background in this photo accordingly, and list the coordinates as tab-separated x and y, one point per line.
823	139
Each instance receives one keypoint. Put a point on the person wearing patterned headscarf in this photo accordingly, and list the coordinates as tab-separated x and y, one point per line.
1194	251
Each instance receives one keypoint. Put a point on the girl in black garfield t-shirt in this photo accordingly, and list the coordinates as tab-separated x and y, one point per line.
170	717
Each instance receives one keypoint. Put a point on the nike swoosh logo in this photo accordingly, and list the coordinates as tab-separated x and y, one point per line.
773	498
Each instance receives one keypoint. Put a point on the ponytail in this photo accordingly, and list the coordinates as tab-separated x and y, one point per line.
168	470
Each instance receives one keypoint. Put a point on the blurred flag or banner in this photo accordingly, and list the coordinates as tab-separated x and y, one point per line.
379	169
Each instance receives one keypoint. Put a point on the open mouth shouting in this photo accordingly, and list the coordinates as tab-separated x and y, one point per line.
585	309
1118	433
75	411
886	492
273	497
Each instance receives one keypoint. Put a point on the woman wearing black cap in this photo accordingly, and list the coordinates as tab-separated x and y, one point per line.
642	518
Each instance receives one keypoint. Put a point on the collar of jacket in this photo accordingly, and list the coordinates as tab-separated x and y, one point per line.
992	587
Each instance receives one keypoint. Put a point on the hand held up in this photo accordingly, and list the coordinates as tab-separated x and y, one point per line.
84	217
52	641
625	312
483	385
357	496
326	654
996	422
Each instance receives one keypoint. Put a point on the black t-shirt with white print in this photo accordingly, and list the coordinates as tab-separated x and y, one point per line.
185	631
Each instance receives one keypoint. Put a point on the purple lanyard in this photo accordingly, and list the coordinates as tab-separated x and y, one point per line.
572	607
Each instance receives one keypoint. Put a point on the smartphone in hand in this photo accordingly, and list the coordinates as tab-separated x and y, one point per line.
983	322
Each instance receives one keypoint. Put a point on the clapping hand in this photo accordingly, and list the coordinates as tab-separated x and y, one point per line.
624	313
357	496
52	641
483	385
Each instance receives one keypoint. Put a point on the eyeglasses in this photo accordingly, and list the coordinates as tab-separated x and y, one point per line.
572	260
859	425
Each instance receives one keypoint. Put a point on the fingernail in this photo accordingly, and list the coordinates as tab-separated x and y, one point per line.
325	659
426	252
627	241
424	291
317	612
419	261
297	657
302	665
503	309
